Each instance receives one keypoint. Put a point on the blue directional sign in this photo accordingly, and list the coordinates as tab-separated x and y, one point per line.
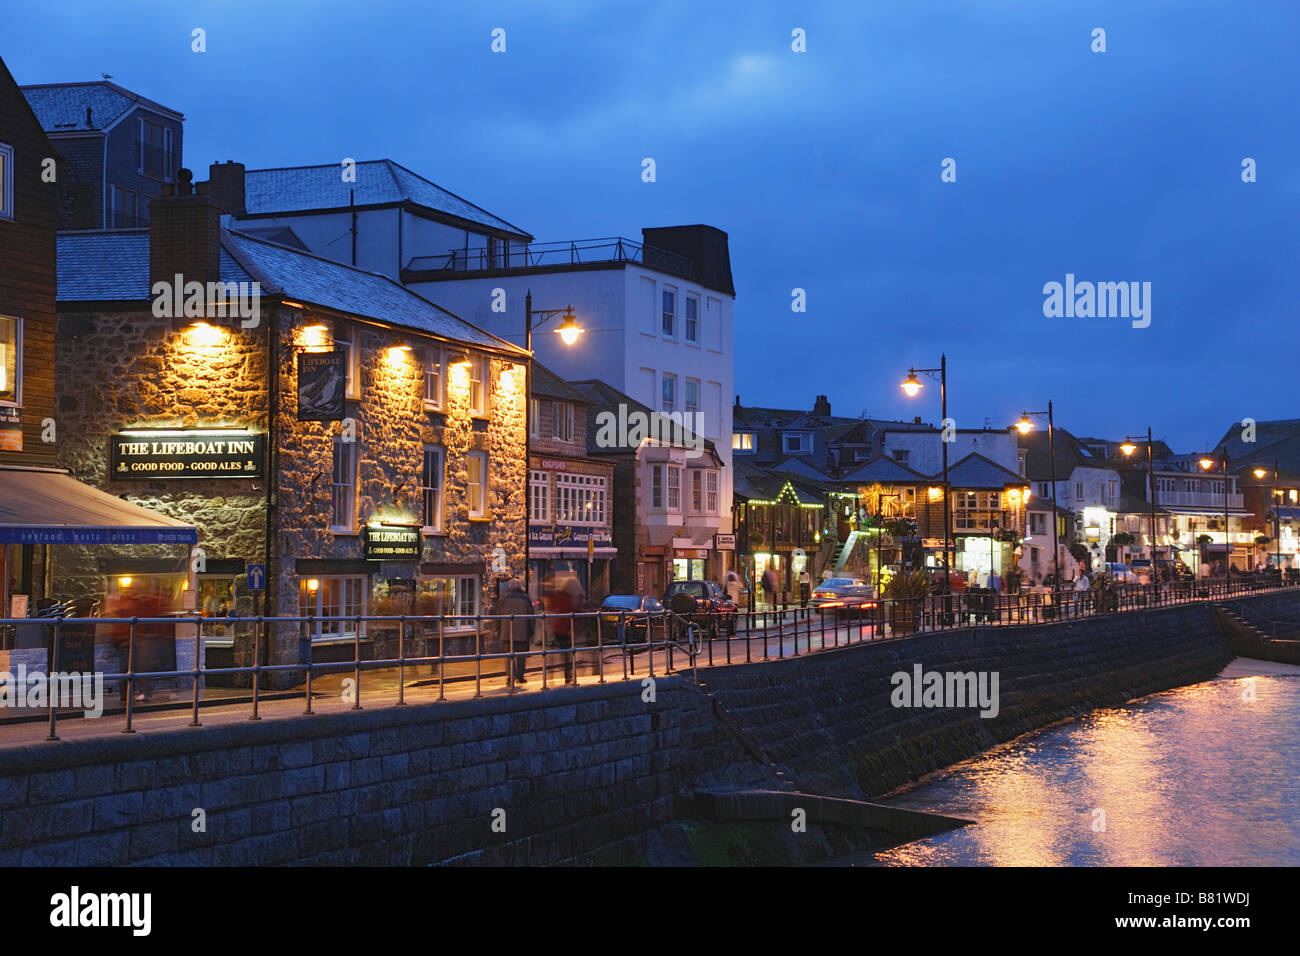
257	577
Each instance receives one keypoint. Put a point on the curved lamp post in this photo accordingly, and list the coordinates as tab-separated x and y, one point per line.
911	386
1024	426
1128	448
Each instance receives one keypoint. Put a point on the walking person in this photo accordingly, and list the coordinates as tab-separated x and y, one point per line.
515	633
805	587
562	602
769	586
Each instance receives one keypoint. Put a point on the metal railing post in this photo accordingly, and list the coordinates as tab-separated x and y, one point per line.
51	669
198	642
401	662
478	655
442	627
257	664
356	663
130	677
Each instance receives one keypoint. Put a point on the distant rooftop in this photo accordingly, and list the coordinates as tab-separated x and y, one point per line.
61	107
378	182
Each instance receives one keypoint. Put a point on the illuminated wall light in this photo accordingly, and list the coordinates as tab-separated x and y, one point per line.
123	583
313	585
315	338
200	335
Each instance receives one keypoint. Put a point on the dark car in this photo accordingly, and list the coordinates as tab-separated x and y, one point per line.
712	606
635	612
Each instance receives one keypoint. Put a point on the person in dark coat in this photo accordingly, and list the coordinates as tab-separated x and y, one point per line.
515	633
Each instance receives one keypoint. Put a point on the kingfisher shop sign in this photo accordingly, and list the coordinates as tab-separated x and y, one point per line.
186	454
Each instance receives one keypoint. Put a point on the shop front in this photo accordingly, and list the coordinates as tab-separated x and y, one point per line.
567	556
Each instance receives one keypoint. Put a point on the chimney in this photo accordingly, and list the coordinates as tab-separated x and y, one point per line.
226	186
184	235
822	407
738	401
916	420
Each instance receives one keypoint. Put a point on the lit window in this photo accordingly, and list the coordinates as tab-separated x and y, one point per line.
345	486
431	488
692	319
580	499
457	597
478	380
11	363
477	486
6	181
433	378
334	605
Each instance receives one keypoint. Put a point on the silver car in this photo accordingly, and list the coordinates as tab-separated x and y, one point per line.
844	596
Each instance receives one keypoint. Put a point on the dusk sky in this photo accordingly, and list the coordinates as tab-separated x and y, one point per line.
823	167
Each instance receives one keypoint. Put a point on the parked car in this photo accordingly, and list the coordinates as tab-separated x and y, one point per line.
843	596
1122	573
1141	568
635	611
711	602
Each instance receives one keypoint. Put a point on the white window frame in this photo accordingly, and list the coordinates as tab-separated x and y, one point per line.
431	498
562	415
580	499
434	378
673	490
480	374
668	382
345	337
464	586
17	400
6	181
657	487
688	319
539	496
805	442
482	484
711	492
342	628
354	458
668	312
697	490
688	406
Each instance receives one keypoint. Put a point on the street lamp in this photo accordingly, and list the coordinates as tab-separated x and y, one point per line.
912	386
1206	464
1277	518
1128	448
1024	426
569	330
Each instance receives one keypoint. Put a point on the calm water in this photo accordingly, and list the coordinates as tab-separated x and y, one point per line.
1191	777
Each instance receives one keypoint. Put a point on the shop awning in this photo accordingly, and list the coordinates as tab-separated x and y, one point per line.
46	506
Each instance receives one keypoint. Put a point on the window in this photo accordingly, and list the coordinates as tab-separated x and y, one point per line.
580	499
121	208
670	313
1078	489
535	417
11	360
795	442
476	489
704	491
344	516
711	492
6	181
478	382
343	339
692	320
657	487
431	488
674	489
562	421
539	496
669	401
742	441
1110	488
433	378
1042	489
1037	523
155	150
697	490
335	604
455	596
901	455
691	401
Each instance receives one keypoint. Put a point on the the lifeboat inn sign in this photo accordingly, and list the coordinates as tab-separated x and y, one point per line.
181	453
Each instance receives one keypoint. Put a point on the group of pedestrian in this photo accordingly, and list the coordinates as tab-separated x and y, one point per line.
516	630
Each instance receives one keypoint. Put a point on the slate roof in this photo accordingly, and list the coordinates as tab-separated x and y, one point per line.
114	265
62	107
1266	433
605	397
547	384
884	469
1071	453
976	471
379	182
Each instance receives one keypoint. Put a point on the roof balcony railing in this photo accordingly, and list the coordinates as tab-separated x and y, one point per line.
540	255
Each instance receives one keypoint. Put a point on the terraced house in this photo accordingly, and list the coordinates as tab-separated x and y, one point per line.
336	440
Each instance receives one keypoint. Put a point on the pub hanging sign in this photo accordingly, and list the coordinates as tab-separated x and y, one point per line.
186	453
